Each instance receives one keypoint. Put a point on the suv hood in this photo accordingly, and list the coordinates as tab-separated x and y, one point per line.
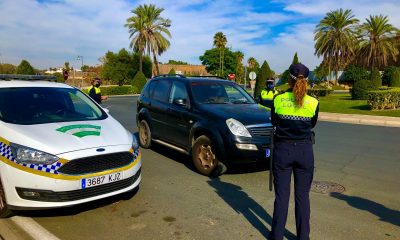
62	137
247	114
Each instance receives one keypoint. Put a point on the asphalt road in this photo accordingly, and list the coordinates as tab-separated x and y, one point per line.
174	202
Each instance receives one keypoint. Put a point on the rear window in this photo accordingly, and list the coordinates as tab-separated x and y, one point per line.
37	105
219	93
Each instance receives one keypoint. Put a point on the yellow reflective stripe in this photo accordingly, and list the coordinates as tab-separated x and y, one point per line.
262	106
68	177
285	105
96	89
3	140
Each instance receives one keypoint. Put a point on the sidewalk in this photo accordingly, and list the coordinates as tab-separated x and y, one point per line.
360	119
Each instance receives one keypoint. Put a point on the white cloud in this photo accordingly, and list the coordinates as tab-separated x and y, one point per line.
50	33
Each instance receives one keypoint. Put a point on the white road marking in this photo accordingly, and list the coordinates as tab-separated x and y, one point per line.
32	228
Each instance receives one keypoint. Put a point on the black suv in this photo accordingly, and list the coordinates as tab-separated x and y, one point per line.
211	119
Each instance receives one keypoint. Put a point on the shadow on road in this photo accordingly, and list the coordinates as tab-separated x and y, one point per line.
242	203
385	214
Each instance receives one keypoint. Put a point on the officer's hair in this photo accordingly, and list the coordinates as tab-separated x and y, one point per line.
299	90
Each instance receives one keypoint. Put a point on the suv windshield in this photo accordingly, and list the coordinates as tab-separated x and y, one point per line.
36	105
219	93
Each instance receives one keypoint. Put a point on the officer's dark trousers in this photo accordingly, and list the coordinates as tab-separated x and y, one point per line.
296	157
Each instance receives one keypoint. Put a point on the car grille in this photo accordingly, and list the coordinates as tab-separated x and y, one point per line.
261	131
97	163
66	196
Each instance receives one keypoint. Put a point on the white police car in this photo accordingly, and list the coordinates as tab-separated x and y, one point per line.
59	148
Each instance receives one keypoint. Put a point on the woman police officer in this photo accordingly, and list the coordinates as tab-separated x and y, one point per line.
293	114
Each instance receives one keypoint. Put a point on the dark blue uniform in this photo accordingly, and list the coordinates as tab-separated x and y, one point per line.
293	152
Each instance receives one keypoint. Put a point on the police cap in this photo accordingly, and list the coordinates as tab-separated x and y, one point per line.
297	70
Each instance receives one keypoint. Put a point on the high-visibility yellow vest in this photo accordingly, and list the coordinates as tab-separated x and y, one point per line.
285	106
268	95
96	89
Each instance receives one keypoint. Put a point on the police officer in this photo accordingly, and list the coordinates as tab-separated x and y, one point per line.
95	92
293	114
267	94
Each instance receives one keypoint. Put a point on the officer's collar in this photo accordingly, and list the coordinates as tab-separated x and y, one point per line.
289	90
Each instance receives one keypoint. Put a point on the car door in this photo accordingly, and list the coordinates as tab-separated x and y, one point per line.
158	108
178	115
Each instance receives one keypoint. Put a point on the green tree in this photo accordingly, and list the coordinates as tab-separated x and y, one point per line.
7	68
264	74
387	75
377	44
321	72
220	43
174	62
147	29
25	68
66	66
172	71
354	73
253	66
210	59
376	78
335	38
295	59
139	81
239	77
395	78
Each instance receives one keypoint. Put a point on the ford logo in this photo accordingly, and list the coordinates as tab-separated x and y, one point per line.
100	150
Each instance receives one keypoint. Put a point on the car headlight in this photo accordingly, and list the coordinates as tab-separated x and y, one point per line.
135	144
237	128
28	155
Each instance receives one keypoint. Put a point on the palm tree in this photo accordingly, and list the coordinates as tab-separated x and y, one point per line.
377	42
239	66
251	62
147	29
220	43
335	38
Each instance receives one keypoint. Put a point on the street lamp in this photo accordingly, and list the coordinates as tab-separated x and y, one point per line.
81	58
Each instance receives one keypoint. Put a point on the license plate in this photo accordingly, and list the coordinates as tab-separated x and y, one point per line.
100	180
267	152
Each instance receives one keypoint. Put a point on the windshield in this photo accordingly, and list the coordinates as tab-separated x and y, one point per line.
36	105
219	93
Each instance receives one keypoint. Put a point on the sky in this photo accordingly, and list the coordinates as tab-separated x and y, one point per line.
48	33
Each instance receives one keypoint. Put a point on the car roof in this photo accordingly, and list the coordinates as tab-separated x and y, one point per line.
193	79
25	83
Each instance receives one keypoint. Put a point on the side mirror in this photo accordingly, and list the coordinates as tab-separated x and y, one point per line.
106	110
179	102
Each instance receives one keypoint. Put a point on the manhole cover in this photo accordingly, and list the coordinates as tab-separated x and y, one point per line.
326	187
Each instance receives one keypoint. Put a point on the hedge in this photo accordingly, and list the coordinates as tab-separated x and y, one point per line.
384	99
116	90
319	92
361	88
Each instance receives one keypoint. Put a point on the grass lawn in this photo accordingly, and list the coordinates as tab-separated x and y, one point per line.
342	103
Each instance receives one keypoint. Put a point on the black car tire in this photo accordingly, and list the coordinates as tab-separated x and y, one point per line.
144	134
204	156
4	210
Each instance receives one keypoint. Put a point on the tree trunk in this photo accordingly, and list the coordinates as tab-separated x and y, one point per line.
156	64
140	61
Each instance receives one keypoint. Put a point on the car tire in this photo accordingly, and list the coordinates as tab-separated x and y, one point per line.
204	156
144	134
4	210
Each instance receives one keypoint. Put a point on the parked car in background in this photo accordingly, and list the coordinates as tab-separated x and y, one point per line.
59	148
212	120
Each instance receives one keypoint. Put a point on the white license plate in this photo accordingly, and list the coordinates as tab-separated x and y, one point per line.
100	180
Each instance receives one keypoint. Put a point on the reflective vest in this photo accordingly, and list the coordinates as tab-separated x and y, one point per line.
96	89
268	95
286	108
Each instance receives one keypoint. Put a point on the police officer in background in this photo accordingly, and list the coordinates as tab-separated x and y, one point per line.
267	95
95	92
293	114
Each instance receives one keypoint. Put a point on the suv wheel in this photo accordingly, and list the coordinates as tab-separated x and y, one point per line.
204	156
4	210
144	134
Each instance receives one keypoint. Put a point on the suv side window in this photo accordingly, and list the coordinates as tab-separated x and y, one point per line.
178	90
161	90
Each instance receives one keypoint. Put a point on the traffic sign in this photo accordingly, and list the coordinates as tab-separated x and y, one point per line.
231	76
252	75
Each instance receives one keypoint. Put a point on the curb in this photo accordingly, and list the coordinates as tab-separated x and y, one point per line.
360	119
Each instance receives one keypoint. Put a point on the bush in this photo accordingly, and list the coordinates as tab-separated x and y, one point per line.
384	99
361	88
139	81
354	73
172	71
376	78
116	90
395	78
